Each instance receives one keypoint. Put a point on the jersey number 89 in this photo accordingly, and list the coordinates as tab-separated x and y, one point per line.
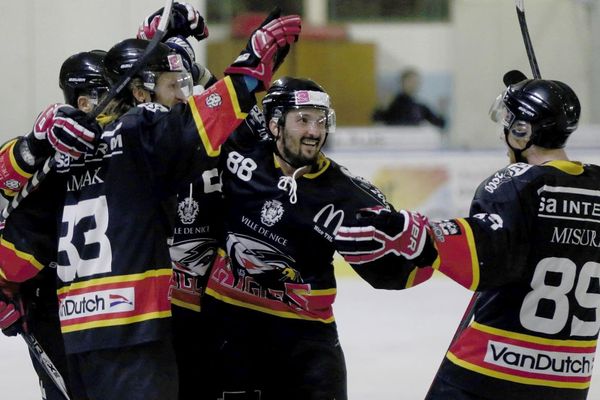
557	295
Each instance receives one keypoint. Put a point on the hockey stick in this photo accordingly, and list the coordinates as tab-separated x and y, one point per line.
34	347
466	318
119	86
40	355
463	324
40	174
470	311
535	69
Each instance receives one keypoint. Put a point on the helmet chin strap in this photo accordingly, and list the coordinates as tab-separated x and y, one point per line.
519	157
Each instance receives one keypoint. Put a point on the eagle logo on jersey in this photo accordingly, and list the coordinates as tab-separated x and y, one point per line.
188	210
271	212
194	256
256	257
265	265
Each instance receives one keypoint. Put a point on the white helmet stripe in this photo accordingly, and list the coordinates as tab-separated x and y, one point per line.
311	98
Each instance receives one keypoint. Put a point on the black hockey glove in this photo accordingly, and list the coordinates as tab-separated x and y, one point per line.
380	231
186	22
267	48
63	128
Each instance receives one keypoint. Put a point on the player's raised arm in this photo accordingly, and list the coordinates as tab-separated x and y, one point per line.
251	72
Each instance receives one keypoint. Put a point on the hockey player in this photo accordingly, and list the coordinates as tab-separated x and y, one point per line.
113	259
31	228
194	234
197	227
270	293
530	249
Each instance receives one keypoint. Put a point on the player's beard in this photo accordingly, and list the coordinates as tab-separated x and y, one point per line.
296	158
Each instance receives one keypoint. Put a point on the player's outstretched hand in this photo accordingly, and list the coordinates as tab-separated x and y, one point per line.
267	47
380	231
63	128
186	22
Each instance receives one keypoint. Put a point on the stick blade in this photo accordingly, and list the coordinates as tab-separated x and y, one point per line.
519	4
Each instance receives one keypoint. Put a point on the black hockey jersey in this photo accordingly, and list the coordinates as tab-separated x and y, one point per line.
199	226
194	244
28	238
113	257
280	234
28	244
531	247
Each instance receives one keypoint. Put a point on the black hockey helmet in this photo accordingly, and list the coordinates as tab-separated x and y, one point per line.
82	73
291	93
548	111
122	56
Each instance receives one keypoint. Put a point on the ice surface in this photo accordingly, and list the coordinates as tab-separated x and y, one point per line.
393	341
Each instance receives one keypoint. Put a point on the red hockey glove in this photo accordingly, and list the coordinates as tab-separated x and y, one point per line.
60	126
11	309
10	315
381	231
267	48
186	22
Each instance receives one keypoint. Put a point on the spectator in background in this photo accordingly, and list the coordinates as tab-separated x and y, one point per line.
404	109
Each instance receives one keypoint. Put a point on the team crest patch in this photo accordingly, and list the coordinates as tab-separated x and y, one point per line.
214	100
271	212
188	210
12	184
